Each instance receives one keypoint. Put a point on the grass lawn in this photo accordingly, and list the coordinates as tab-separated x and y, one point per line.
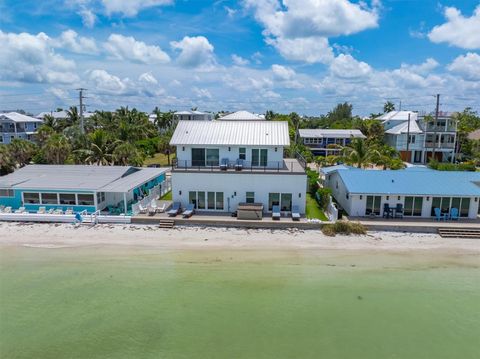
313	210
167	196
158	159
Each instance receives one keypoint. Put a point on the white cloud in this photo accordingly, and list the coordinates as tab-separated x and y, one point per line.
282	72
31	58
194	52
346	66
239	61
201	92
131	8
468	66
424	68
148	78
460	31
88	17
310	49
70	40
106	82
127	48
299	29
230	12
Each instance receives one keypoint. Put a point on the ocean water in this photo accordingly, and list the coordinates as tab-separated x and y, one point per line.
139	303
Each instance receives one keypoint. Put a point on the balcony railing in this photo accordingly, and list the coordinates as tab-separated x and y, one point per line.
439	145
287	165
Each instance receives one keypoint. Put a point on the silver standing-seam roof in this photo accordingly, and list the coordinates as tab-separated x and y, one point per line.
242	116
79	178
18	117
231	133
329	133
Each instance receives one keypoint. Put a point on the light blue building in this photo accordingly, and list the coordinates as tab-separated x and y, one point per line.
15	125
419	191
78	187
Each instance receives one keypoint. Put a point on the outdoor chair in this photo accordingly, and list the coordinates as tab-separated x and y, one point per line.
162	208
174	210
7	210
454	214
276	212
42	210
20	210
189	211
399	210
295	213
2	207
141	209
69	211
439	216
386	210
153	205
239	164
224	164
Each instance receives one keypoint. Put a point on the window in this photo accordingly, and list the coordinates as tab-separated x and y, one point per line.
447	203
67	198
31	198
286	202
49	198
85	200
464	207
373	205
250	197
413	206
242	153
411	139
101	197
259	157
198	157
201	200
4	192
213	155
211	200
219	201
273	200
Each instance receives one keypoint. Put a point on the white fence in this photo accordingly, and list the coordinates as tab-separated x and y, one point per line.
153	194
332	210
63	218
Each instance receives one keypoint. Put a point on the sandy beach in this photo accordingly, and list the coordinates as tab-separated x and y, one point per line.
65	235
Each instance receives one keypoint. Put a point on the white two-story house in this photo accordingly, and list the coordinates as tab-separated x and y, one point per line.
221	164
16	125
418	140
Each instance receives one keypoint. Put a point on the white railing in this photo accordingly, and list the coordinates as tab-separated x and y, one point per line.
166	186
332	210
153	194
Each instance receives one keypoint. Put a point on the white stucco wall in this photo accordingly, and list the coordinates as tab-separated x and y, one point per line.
235	185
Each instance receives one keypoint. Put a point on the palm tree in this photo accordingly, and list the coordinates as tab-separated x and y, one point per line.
126	154
72	115
387	157
358	153
388	106
99	149
22	151
164	146
56	149
51	122
7	164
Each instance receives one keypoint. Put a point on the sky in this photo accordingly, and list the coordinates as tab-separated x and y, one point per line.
282	55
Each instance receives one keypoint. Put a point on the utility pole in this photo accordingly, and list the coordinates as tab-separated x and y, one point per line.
408	137
435	126
80	98
400	107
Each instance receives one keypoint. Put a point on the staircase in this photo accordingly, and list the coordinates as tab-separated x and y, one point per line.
167	223
459	232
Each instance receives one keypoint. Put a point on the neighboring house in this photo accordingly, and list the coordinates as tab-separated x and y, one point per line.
242	116
324	142
221	164
79	187
15	125
193	116
417	140
419	190
61	115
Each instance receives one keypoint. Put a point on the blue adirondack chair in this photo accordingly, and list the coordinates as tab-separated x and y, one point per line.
438	214
454	214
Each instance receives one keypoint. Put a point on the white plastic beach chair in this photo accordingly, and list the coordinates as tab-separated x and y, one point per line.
69	211
20	210
58	211
7	210
142	209
153	205
162	208
41	210
50	211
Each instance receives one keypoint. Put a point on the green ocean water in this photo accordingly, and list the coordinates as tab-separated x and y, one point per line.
141	303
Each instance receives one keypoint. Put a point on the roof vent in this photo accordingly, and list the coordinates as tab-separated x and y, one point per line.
393	181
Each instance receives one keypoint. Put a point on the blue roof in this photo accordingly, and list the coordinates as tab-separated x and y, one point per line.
411	182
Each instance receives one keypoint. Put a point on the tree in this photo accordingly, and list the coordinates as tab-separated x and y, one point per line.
7	164
126	154
51	122
22	151
388	106
387	157
165	147
358	153
73	116
341	112
56	149
99	149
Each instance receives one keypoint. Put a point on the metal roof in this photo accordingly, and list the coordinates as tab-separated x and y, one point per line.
411	182
231	133
189	112
61	114
403	128
398	116
79	178
18	117
330	169
329	133
242	116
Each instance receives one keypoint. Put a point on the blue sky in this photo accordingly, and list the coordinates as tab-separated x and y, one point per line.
258	55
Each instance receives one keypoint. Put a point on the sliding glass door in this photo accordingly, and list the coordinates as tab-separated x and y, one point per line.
259	157
198	157
447	203
373	205
413	206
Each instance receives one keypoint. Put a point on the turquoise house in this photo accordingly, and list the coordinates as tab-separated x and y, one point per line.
79	187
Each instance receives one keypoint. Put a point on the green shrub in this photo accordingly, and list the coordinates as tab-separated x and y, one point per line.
323	197
312	181
343	227
439	166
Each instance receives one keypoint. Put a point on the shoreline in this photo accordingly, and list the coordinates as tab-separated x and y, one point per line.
51	236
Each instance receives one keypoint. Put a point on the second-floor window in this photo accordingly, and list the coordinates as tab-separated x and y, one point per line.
259	157
411	139
205	157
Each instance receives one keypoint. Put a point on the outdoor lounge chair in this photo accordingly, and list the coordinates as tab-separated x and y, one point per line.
295	213
276	212
7	210
438	214
162	208
20	210
189	211
454	214
69	211
42	210
142	209
50	211
224	164
174	210
399	210
152	209
239	164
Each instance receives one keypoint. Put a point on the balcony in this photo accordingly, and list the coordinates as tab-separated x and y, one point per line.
439	145
287	165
